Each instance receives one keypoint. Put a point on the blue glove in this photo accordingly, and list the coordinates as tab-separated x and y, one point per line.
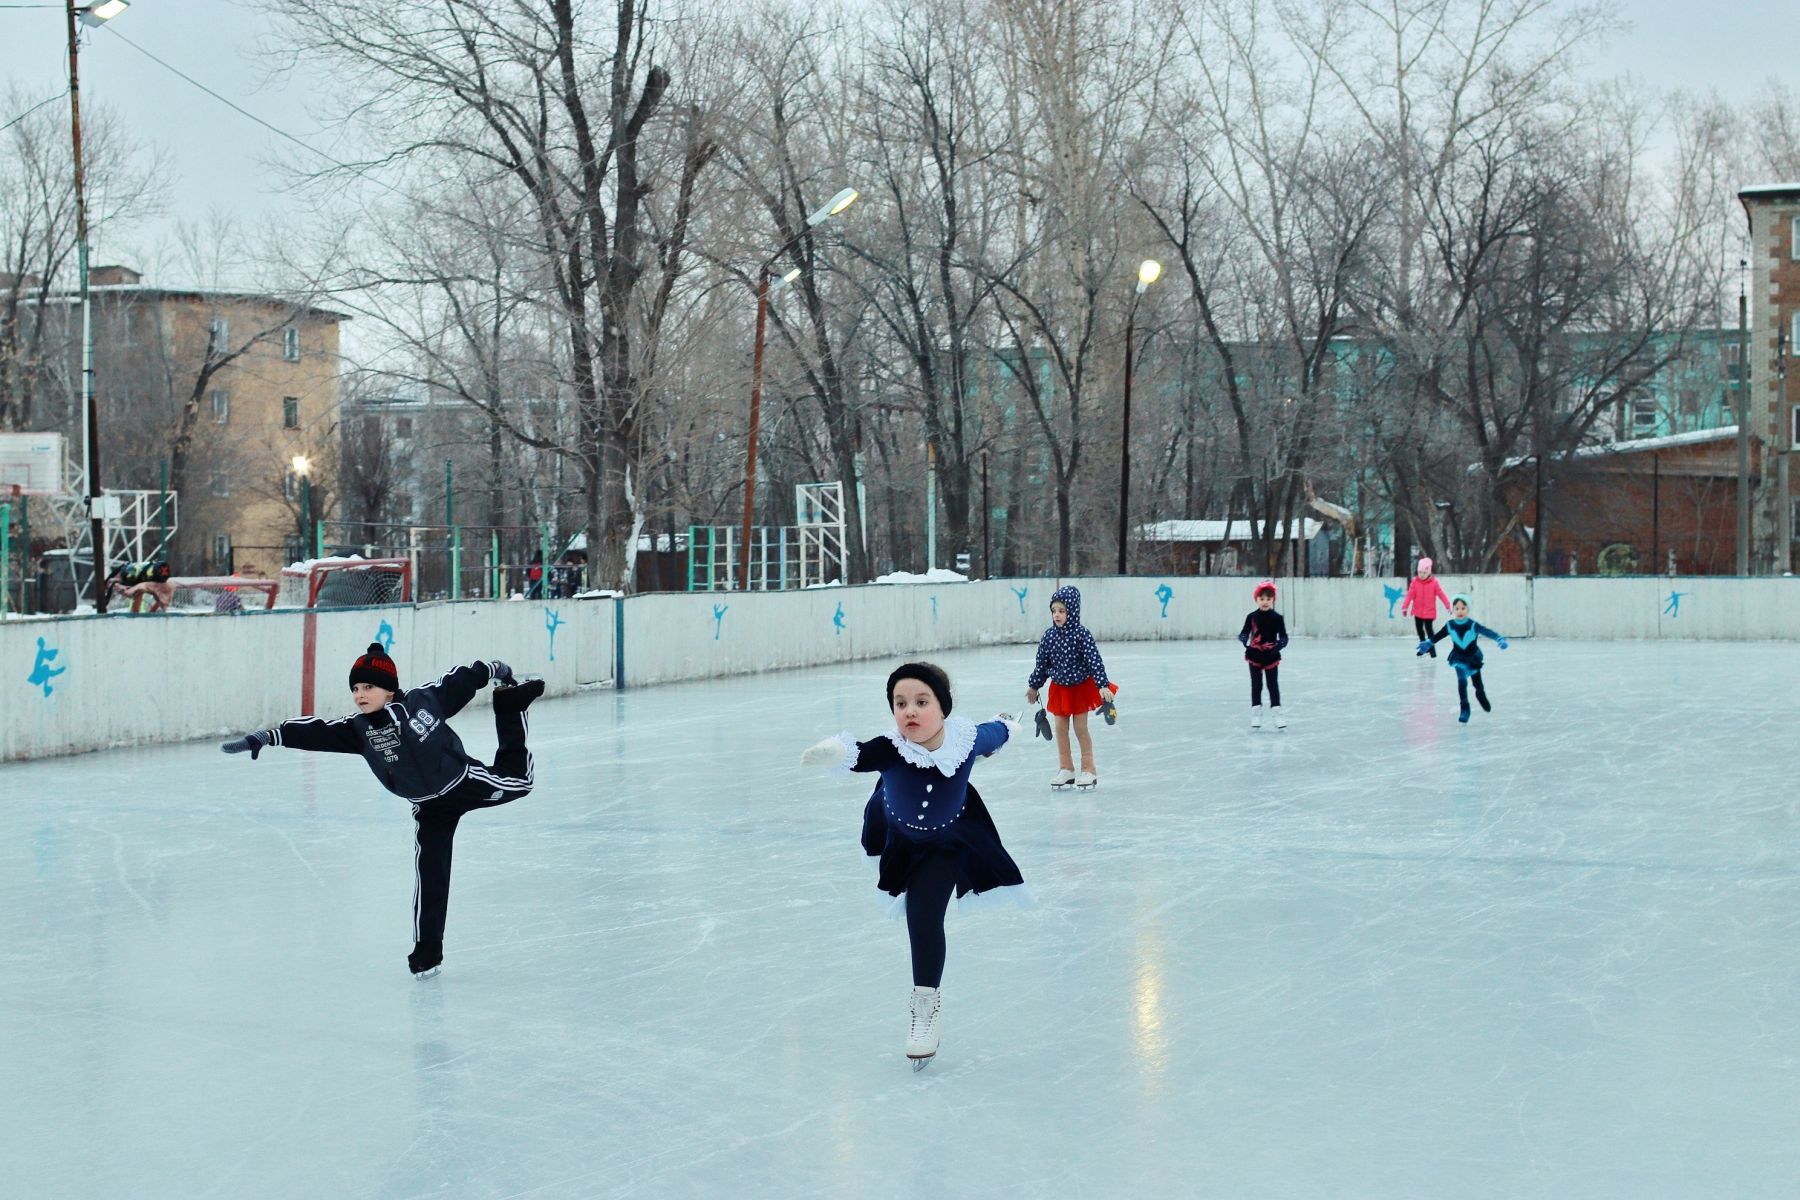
1423	650
502	674
252	742
1501	642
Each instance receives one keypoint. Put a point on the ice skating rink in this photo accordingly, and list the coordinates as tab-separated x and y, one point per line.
1555	952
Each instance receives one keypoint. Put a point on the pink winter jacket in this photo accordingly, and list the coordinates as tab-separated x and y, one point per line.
1422	597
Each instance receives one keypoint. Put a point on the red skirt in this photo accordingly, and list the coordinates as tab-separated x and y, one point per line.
1084	697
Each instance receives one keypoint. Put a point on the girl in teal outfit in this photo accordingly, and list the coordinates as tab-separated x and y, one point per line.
1465	654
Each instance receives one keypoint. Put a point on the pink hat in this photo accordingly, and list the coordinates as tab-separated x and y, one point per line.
1424	566
1267	585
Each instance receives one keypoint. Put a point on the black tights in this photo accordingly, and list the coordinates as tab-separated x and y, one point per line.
1462	691
1422	625
1256	685
928	892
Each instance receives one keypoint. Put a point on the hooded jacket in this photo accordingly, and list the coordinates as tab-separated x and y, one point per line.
1423	597
1067	655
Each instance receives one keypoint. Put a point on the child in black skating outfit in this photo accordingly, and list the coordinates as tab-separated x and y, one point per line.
928	824
1264	636
1069	659
415	754
1465	653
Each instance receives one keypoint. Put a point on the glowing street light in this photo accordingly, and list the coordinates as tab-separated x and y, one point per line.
1149	271
828	210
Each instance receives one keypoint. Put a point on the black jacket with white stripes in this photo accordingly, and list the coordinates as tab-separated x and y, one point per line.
408	744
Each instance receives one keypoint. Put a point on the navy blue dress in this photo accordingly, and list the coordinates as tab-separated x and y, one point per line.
925	807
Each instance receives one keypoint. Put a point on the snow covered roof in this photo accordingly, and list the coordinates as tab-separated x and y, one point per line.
1222	531
1770	189
1669	441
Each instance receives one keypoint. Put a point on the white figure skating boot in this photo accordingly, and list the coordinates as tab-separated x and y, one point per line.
1087	781
1256	716
1062	779
922	1027
1280	721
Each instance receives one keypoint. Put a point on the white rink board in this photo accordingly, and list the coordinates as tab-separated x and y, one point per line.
168	677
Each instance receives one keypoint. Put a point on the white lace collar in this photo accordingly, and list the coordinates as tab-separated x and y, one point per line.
952	752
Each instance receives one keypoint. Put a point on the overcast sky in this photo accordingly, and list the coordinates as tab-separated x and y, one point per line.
218	157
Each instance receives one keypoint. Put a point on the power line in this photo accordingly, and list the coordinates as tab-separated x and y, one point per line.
32	109
360	172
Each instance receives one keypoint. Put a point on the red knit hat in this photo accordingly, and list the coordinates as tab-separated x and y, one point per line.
375	667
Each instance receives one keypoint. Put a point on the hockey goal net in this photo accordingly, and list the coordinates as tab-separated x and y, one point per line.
346	583
222	594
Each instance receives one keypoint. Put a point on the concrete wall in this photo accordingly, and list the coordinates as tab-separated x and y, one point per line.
126	680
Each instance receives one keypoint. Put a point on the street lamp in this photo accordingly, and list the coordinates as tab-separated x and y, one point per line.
303	468
1149	271
831	208
91	15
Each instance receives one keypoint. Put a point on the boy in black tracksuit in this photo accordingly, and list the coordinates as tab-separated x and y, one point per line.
408	743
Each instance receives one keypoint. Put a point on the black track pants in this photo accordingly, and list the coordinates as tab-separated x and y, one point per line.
435	820
1425	631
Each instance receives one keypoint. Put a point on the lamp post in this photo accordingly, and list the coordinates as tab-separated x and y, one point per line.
1149	271
93	15
831	208
303	468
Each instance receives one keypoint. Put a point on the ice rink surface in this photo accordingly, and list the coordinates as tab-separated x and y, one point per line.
1555	952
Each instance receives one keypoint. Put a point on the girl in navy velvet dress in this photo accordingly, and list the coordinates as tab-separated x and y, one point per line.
927	823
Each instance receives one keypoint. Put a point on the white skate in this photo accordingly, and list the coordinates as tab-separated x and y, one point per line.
1064	778
1280	720
922	1026
1087	781
1256	716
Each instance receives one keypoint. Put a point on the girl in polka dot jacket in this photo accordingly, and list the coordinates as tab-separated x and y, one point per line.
1069	659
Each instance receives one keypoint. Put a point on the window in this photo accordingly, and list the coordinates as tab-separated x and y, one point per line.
1793	425
1793	336
290	343
222	553
290	485
290	412
221	404
1794	237
220	332
221	484
1643	418
403	427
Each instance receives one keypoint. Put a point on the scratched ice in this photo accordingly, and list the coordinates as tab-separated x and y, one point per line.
1555	952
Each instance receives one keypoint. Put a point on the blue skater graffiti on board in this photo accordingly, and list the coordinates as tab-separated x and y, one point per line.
553	621
385	635
1165	593
934	610
719	611
41	670
837	619
1021	593
1673	607
1393	595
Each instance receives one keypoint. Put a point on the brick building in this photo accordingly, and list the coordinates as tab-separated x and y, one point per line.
1644	506
1773	211
216	392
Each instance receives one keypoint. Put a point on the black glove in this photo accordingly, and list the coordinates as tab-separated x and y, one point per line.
1043	726
502	674
253	742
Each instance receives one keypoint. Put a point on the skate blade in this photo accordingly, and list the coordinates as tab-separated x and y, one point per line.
919	1064
1061	787
427	973
1087	787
